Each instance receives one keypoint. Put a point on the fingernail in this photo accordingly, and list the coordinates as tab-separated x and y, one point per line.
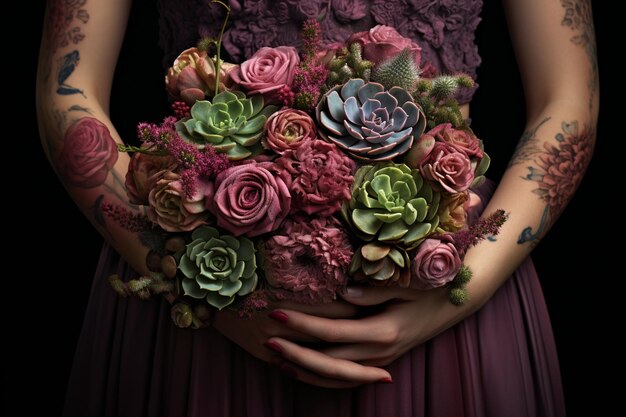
279	316
354	292
274	346
386	380
288	370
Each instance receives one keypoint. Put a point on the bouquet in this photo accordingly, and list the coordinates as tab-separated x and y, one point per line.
299	171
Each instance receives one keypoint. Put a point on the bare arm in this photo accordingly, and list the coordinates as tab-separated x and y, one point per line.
558	64
555	46
79	50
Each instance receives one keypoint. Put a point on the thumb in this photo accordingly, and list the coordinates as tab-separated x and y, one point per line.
369	296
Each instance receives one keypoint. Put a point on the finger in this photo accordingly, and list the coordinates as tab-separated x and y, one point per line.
297	372
326	366
370	354
368	296
336	309
363	330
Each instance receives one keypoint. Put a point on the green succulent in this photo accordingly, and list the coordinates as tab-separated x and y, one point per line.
392	203
381	264
218	267
232	123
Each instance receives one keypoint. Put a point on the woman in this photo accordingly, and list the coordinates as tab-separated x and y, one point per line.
418	355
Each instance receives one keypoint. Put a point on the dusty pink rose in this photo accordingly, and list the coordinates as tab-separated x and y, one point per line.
288	129
447	168
143	172
462	139
319	176
436	263
267	71
193	76
383	42
453	211
248	199
89	152
171	209
308	259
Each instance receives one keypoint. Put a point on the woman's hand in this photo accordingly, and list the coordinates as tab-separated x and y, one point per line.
407	319
257	335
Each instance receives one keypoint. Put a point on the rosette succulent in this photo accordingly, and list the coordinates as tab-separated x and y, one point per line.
232	123
369	122
392	203
381	264
218	268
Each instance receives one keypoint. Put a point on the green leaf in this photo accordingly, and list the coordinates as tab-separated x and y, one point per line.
421	208
397	257
237	272
230	288
392	231
218	301
388	217
248	285
192	289
365	221
253	125
416	232
200	109
382	184
374	251
187	267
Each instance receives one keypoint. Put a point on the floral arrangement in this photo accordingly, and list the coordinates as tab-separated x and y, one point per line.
288	176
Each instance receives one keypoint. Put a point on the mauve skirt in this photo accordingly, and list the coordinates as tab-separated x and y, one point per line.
131	361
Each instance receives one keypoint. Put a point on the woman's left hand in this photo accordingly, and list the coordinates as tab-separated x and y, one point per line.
406	319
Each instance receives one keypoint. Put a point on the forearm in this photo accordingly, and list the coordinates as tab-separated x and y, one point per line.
80	142
543	174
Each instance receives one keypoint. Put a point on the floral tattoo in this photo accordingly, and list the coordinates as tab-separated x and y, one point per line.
528	145
89	153
579	18
558	173
65	17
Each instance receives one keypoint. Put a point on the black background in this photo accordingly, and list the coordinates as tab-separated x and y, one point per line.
45	299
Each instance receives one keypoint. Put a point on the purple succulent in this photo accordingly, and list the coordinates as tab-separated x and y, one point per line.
369	122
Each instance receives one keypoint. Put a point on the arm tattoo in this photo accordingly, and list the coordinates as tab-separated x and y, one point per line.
558	172
527	146
68	64
88	154
65	18
579	18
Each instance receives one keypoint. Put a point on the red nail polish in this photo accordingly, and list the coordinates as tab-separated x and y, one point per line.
279	316
274	346
386	380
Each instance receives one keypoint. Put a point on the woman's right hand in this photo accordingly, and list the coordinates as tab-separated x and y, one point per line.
253	335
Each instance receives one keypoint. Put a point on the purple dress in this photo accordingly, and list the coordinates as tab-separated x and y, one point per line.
132	361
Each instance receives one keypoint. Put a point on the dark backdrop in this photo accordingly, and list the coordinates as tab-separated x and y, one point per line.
45	298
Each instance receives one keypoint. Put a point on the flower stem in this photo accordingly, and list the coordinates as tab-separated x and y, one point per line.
218	63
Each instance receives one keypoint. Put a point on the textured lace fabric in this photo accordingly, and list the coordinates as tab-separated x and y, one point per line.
443	28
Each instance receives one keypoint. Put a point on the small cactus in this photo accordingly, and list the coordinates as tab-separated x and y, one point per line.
399	71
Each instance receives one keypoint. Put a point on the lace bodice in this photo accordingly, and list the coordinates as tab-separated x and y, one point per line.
443	28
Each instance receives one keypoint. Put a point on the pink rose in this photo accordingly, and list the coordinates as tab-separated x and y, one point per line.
267	71
447	168
249	200
436	263
288	129
462	139
89	153
144	171
381	43
319	176
171	209
193	76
